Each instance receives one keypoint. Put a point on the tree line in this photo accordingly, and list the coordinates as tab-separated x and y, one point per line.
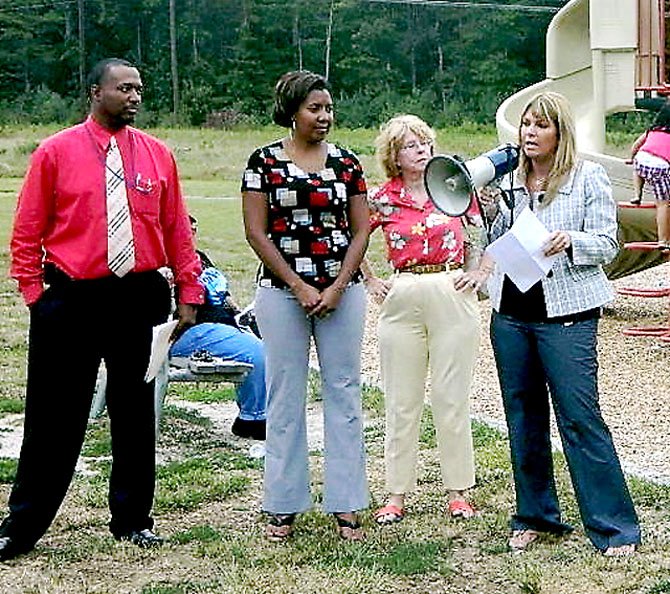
216	61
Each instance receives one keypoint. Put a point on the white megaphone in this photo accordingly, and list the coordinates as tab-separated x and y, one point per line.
451	182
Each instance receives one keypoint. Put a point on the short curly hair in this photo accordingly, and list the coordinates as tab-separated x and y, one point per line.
390	140
291	90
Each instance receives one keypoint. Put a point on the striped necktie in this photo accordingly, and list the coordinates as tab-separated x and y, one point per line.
120	247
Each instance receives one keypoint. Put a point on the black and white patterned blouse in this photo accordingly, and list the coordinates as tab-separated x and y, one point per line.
307	212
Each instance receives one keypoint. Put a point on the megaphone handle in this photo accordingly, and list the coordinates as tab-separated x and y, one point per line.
485	219
510	201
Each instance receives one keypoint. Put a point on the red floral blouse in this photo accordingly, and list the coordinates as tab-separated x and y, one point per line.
417	235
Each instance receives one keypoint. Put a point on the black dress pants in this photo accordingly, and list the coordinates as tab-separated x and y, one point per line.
73	326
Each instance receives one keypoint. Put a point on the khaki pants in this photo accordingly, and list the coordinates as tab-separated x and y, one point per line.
425	324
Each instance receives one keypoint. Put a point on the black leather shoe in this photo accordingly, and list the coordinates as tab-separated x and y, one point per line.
9	548
249	429
145	539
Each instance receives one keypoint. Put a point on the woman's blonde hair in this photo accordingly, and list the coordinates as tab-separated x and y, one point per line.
390	140
555	108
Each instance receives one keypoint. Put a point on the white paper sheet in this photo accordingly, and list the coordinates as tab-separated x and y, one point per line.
160	345
519	252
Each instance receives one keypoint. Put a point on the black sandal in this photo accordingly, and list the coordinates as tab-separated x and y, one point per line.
279	527
348	530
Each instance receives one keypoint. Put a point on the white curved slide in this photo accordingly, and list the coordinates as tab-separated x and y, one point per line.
591	50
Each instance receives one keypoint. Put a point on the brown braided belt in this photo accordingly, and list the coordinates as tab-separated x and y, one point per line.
430	268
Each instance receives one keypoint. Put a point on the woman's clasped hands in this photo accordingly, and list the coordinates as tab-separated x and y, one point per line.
318	303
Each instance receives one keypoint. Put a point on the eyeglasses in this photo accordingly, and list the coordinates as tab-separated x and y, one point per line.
413	145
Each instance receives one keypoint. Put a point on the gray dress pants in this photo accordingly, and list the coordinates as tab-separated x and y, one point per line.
286	331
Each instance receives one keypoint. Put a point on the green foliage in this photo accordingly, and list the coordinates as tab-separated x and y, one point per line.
661	587
204	533
649	494
184	485
98	441
7	470
205	392
184	587
11	405
427	437
373	400
40	106
442	63
192	417
413	558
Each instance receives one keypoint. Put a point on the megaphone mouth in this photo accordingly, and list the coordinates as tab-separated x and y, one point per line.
450	182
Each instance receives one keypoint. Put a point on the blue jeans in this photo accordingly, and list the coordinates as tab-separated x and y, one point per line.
234	344
538	360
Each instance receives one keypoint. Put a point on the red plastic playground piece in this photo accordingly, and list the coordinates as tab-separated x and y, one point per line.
658	331
636	292
645	246
641	205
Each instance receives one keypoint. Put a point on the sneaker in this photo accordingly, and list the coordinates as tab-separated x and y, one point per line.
202	361
249	429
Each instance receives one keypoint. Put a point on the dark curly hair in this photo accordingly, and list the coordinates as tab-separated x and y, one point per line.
662	120
291	90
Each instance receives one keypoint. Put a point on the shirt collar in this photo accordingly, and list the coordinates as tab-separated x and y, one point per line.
102	135
400	196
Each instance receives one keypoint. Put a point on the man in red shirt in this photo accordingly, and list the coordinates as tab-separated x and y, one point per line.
84	309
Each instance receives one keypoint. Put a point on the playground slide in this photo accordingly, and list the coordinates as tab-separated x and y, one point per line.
590	58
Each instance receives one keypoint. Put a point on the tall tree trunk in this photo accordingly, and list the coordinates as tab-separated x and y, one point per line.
139	41
411	30
173	60
194	32
329	37
297	41
83	92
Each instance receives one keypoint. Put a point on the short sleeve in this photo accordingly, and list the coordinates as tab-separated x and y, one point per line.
473	215
254	178
375	205
356	183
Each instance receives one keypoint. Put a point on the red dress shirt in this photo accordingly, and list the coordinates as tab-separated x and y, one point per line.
417	235
61	214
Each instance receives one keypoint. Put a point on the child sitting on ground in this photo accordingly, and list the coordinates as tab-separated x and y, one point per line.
651	160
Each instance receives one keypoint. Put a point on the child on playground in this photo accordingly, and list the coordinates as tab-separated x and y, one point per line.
651	160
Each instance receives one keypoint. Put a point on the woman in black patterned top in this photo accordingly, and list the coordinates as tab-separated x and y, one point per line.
306	217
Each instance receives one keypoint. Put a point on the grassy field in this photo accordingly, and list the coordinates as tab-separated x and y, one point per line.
208	495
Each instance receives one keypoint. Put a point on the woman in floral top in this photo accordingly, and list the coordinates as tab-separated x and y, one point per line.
429	319
306	217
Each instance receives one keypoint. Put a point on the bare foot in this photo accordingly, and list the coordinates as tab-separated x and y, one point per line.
348	527
623	551
522	539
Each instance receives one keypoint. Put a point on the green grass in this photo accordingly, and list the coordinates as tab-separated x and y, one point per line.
200	534
97	442
8	405
209	490
189	483
7	470
204	392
